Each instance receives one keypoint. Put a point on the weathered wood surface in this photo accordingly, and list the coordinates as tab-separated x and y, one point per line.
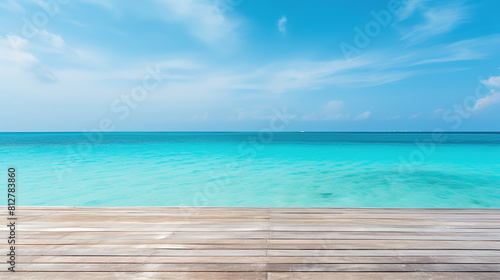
255	243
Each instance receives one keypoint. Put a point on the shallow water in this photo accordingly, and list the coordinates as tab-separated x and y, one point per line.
456	170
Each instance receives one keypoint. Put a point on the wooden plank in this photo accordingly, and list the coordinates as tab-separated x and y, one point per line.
133	275
332	253
256	243
383	276
268	244
251	267
277	228
316	244
257	260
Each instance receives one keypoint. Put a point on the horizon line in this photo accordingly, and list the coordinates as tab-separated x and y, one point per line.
254	131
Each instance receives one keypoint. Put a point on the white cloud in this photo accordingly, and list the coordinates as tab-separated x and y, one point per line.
54	40
282	24
286	76
486	101
16	58
280	77
475	48
334	105
44	41
437	20
362	116
17	42
206	20
415	116
11	50
363	71
494	83
370	69
409	8
30	56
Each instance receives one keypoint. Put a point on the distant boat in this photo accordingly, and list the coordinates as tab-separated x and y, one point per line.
302	131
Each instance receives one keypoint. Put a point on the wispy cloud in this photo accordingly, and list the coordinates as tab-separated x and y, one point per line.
11	5
207	21
282	24
409	9
362	116
203	19
54	40
16	58
437	20
468	49
371	69
416	116
438	113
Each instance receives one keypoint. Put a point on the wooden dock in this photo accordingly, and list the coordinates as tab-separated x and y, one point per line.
254	243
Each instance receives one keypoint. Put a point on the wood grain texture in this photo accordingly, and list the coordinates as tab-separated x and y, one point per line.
255	243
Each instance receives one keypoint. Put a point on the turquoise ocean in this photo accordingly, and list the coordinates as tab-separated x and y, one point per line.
452	170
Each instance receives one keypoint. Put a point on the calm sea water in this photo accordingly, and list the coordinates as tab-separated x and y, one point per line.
247	169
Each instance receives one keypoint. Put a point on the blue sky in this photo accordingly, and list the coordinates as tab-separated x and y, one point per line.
168	65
